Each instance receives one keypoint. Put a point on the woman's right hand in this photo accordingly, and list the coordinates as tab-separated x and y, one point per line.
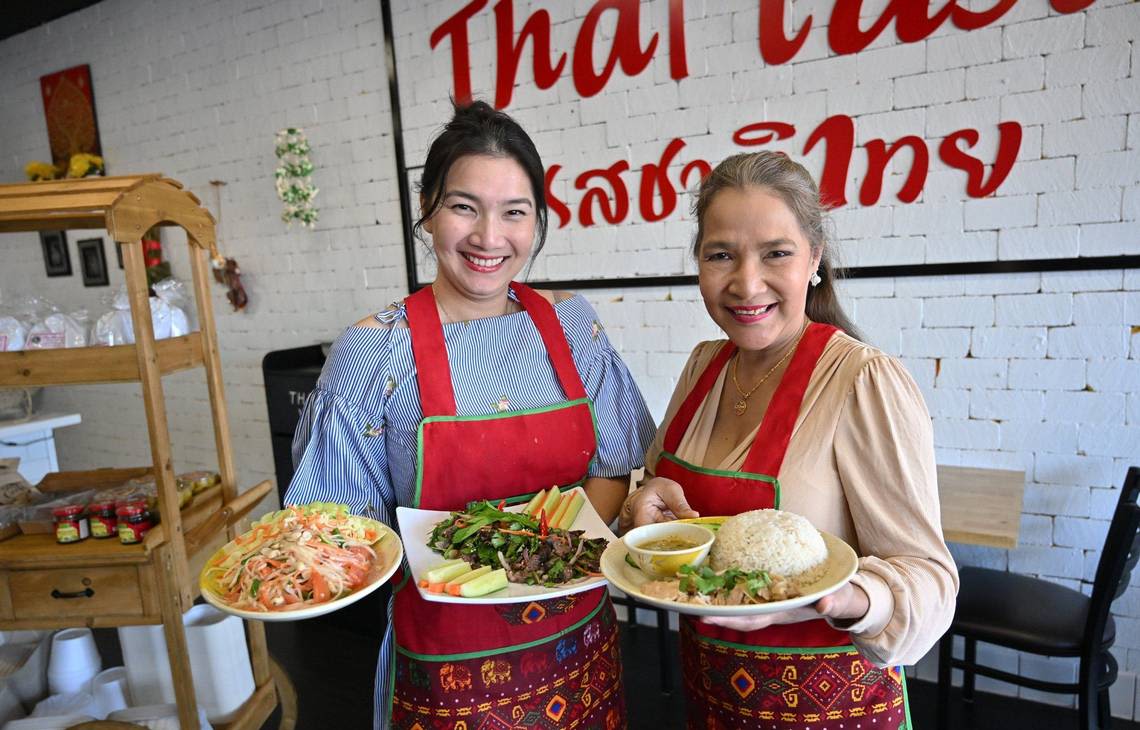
656	500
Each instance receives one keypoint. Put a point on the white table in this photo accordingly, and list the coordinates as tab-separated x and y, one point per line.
33	441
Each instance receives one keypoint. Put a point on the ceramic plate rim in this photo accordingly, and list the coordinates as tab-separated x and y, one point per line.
383	573
840	553
409	517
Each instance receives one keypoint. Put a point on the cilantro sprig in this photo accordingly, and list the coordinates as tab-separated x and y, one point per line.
706	581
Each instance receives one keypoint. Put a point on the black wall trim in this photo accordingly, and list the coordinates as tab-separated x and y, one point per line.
398	143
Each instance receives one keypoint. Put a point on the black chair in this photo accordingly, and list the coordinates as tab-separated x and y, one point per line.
1036	616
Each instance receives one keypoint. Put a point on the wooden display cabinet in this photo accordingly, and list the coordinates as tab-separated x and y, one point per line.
102	583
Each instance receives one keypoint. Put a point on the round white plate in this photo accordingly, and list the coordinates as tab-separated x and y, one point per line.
416	526
389	553
841	565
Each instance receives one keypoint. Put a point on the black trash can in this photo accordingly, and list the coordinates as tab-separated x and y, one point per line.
290	375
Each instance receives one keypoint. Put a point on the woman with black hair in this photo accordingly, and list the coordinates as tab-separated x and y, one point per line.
479	387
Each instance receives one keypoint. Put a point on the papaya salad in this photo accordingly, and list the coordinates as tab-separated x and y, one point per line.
295	558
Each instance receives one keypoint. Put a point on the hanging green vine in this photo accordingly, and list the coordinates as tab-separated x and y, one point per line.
294	177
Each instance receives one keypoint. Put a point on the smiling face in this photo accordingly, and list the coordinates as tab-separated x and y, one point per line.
483	230
754	265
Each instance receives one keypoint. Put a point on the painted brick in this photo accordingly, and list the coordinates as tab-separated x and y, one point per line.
1016	283
889	126
1043	107
889	313
1109	239
1050	669
1084	206
943	342
1121	376
1108	169
939	87
1085	407
1023	405
887	63
863	98
1071	281
973	373
1034	309
1099	308
1104	25
1024	342
1007	77
1102	134
1104	98
922	370
1074	67
964	433
1001	213
1048	35
982	46
979	556
1059	562
958	311
974	246
1115	440
1035	530
975	114
1087	341
1056	375
1040	176
948	403
1079	533
1037	435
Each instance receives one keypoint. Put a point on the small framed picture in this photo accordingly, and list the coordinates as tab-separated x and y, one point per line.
57	261
93	262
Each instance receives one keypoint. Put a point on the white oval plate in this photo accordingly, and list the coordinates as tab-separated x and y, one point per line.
416	526
389	553
841	565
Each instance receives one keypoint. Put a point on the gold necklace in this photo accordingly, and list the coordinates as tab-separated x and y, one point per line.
447	316
742	405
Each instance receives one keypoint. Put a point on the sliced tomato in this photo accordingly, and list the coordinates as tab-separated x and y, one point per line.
320	587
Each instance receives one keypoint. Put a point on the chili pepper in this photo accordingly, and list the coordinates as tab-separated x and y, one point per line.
502	505
543	524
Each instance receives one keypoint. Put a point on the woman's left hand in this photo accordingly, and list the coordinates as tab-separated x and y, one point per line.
849	603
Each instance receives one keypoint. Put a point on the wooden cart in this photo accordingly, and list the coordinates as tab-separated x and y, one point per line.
102	583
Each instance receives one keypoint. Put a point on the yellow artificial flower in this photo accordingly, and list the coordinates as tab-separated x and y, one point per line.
37	170
83	164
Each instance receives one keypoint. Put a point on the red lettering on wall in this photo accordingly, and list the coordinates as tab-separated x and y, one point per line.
455	27
767	130
537	27
838	132
1070	6
553	202
678	63
626	47
774	47
879	154
655	182
614	205
1008	145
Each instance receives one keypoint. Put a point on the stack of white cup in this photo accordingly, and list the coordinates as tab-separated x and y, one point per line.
74	661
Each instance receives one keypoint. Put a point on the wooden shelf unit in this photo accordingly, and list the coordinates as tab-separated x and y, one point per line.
103	583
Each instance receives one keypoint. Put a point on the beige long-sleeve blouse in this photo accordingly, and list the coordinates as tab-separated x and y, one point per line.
860	465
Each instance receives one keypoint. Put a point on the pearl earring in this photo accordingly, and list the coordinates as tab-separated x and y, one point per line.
815	278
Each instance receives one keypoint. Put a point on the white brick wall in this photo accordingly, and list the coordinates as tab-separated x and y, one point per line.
1036	371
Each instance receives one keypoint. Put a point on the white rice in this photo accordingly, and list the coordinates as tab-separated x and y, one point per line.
782	543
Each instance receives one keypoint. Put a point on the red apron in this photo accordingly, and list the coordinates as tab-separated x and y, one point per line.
792	675
543	664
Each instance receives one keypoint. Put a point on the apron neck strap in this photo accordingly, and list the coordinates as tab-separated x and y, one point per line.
684	416
437	395
767	453
437	398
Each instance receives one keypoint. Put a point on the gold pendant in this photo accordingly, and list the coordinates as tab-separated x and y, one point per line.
740	407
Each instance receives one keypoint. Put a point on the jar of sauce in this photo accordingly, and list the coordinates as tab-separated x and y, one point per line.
101	515
70	523
134	522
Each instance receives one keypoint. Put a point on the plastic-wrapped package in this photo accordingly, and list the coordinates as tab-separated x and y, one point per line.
13	333
56	330
173	292
116	327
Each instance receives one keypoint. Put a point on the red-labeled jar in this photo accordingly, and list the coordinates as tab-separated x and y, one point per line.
134	522
70	523
101	515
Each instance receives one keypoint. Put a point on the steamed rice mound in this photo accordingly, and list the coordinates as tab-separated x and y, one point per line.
782	543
